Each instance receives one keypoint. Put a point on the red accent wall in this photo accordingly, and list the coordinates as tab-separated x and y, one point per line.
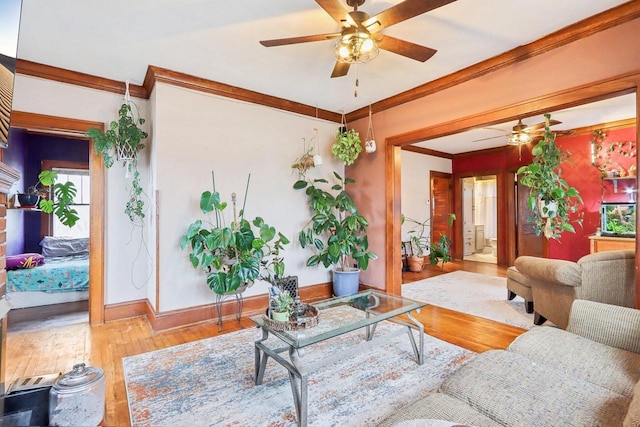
578	172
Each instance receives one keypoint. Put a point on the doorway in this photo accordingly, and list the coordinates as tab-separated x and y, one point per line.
71	127
480	219
56	291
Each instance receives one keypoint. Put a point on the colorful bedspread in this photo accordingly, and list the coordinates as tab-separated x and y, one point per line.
60	274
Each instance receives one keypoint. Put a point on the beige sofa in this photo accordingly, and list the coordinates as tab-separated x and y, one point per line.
606	277
588	375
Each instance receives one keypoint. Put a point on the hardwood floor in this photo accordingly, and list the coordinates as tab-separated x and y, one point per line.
57	349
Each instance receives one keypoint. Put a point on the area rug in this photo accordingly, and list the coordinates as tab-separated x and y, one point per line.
211	382
472	293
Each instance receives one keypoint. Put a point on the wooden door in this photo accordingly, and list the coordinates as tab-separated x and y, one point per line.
527	243
441	205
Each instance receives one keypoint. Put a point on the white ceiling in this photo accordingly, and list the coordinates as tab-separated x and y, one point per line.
610	110
216	40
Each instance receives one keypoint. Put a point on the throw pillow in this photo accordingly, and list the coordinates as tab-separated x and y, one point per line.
16	262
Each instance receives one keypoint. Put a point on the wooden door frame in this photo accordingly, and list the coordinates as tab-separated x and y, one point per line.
66	127
571	97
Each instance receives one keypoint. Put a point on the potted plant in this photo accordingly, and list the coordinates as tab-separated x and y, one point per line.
419	242
440	251
347	146
52	197
337	231
122	141
236	255
282	306
551	199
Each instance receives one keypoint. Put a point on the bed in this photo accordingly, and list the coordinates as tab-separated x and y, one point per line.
59	275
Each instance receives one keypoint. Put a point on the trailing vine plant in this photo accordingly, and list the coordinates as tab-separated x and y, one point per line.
122	141
551	199
603	151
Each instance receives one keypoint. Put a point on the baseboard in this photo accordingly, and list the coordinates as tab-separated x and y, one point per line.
177	318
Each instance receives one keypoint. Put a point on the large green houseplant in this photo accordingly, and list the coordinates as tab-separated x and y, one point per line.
336	230
122	141
551	199
233	255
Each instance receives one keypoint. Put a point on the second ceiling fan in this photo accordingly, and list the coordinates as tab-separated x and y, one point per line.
523	134
359	39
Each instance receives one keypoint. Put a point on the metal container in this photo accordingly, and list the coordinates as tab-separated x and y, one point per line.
77	398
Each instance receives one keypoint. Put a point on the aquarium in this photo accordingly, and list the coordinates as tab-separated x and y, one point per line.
618	219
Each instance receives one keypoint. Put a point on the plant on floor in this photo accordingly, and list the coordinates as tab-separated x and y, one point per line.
419	241
440	251
336	229
551	199
336	220
122	141
235	255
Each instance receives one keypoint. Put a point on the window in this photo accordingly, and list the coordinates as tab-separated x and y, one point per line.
82	181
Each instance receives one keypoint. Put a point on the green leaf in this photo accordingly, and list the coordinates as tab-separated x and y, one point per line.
300	185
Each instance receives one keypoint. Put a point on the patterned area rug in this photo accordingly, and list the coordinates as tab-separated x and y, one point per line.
211	382
477	294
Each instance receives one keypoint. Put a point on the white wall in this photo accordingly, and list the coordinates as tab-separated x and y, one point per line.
127	265
195	133
416	169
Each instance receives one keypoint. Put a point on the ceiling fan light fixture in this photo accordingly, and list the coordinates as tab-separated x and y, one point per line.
519	138
356	47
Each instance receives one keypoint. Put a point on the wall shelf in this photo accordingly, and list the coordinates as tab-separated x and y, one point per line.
620	178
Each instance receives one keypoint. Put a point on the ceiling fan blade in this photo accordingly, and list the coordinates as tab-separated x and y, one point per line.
539	126
340	69
401	12
491	137
405	48
300	39
335	9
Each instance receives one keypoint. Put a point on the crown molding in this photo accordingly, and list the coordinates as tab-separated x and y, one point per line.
164	75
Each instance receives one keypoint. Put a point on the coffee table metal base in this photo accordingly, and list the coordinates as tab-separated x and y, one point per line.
299	372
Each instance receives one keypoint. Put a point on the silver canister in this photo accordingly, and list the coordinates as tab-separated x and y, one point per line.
77	398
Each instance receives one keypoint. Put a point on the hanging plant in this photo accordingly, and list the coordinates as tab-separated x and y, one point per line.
347	146
122	141
551	199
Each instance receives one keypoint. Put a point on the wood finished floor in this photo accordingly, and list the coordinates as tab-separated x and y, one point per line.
33	352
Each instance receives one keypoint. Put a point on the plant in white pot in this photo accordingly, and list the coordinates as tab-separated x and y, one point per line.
552	200
337	232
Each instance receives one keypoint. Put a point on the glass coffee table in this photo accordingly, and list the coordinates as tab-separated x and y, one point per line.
337	316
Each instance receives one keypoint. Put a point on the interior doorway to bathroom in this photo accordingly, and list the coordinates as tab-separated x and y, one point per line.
480	218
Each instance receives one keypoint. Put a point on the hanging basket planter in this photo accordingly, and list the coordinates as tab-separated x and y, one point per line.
126	152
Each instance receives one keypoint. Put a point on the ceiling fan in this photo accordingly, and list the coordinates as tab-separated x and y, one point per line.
523	134
360	39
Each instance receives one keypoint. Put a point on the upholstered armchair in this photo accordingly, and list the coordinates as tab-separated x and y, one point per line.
606	277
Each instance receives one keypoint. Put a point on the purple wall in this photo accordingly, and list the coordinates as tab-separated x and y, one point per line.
15	156
27	152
